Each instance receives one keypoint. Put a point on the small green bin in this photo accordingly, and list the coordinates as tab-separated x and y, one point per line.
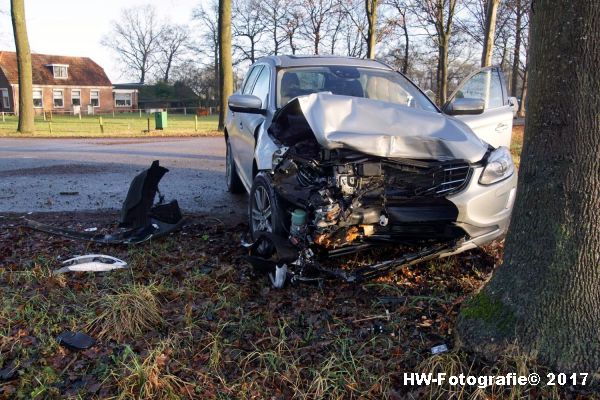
160	119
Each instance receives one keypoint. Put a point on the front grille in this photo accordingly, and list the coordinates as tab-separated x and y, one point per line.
425	179
454	178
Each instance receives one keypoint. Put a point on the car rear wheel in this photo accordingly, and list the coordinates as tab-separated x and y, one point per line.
265	209
234	183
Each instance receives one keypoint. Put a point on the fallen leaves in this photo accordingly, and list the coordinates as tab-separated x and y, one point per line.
191	320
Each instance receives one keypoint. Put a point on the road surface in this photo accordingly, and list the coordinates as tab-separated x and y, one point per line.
92	174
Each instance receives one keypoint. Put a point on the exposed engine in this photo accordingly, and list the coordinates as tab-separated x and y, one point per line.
342	200
351	198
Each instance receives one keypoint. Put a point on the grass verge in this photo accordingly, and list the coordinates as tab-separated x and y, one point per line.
119	125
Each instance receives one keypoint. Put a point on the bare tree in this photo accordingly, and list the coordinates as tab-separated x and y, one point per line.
520	12
438	14
274	12
172	46
371	13
135	38
292	21
209	42
490	31
475	18
248	25
26	112
200	78
340	28
225	59
399	20
317	22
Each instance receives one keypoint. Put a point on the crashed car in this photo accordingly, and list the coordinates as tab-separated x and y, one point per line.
340	154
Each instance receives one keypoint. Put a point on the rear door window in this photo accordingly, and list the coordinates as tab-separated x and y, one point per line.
250	79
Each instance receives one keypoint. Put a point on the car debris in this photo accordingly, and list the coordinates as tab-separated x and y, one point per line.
439	349
75	340
91	263
279	279
9	372
140	220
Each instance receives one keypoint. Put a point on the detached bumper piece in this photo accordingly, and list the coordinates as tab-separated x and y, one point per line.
383	268
271	253
141	219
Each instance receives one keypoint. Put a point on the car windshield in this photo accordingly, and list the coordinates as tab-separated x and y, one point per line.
370	83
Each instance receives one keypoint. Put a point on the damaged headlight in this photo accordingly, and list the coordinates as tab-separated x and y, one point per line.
499	167
278	155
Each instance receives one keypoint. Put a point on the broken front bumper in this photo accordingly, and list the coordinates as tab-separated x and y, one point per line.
484	211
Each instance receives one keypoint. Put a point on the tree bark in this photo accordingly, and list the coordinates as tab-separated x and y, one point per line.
371	11
521	111
26	112
168	69
545	298
490	32
406	43
225	58
442	70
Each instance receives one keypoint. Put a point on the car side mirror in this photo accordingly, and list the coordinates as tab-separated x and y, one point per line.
514	103
465	106
245	103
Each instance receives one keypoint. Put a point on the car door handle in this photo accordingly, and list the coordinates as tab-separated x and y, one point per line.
501	127
241	125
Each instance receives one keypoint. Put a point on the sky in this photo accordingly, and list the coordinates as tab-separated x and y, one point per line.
76	27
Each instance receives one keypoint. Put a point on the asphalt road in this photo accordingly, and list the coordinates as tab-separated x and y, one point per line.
94	174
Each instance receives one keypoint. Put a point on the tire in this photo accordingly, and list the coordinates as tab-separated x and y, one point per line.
266	211
234	183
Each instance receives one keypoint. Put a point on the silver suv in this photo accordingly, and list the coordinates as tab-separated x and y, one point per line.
339	154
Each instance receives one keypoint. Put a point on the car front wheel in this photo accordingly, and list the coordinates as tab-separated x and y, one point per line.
265	209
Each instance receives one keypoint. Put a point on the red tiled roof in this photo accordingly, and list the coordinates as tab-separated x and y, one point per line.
82	70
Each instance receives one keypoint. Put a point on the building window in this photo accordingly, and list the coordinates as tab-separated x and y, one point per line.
37	98
61	71
123	99
5	99
95	98
76	97
58	98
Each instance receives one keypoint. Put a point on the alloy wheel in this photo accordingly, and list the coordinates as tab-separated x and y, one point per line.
261	211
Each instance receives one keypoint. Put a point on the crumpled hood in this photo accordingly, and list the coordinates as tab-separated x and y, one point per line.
388	130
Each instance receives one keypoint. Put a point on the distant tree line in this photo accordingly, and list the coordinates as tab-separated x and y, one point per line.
435	42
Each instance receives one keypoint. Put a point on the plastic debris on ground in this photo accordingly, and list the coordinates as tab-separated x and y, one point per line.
75	340
91	263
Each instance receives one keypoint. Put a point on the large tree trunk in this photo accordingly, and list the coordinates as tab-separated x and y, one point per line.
490	32
517	51
26	112
371	10
545	298
225	58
